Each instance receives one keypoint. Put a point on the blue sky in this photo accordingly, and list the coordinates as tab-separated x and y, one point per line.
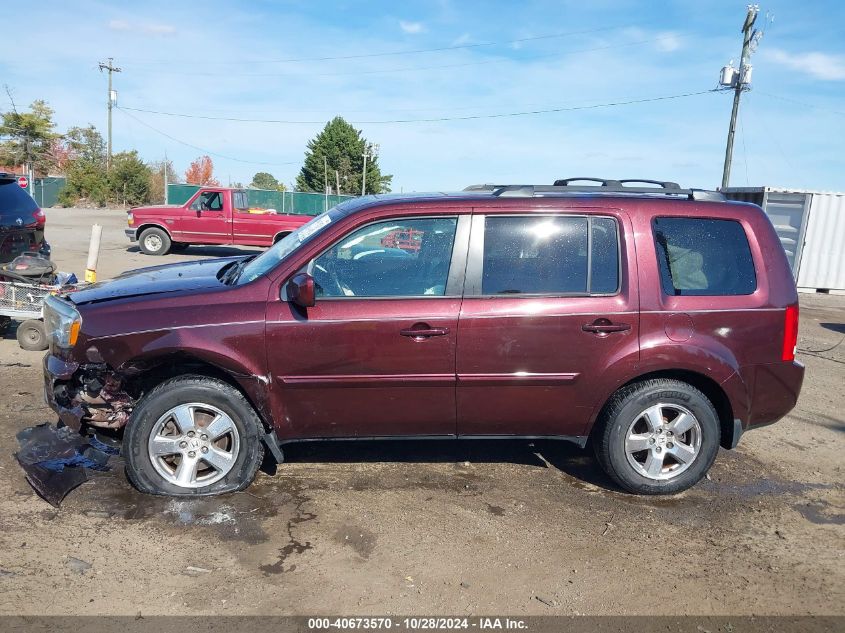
219	59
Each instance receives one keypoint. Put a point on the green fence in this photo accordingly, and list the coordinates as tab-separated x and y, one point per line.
293	202
46	191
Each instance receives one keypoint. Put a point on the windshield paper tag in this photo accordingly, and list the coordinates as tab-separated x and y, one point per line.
308	230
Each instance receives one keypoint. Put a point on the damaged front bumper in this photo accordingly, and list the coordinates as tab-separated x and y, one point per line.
89	394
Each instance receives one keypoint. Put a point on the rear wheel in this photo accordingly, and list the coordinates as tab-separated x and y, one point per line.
32	336
193	436
658	437
154	241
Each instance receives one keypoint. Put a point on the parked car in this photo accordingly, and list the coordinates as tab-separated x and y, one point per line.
21	227
659	323
213	215
22	222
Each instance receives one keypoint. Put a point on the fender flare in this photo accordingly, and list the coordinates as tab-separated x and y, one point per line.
150	225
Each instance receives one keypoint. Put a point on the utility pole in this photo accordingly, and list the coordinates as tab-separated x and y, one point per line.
337	180
364	178
370	151
112	98
740	81
325	184
165	177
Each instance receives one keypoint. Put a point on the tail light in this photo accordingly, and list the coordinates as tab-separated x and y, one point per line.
790	333
40	218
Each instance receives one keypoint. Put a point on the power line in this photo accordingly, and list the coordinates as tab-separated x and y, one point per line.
408	69
397	53
801	103
197	147
433	119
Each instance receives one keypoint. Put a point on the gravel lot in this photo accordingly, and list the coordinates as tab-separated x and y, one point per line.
436	527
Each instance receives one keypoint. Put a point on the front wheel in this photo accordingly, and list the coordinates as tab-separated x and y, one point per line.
658	437
193	436
154	241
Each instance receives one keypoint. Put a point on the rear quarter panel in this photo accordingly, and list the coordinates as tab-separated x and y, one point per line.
735	340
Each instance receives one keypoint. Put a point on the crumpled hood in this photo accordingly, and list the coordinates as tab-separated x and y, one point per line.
194	275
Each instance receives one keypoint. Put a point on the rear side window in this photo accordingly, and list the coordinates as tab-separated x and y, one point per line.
14	201
703	257
550	255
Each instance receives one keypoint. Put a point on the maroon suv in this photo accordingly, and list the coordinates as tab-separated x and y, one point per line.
658	322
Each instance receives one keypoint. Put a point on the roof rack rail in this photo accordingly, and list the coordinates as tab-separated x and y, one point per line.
602	185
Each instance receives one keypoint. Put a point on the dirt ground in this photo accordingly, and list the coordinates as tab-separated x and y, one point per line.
436	527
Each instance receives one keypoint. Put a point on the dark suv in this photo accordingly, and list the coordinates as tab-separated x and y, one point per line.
21	221
656	322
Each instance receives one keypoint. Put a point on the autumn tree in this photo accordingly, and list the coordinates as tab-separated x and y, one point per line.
201	172
341	147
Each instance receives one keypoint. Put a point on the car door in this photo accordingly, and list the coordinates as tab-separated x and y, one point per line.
376	355
206	219
549	317
251	227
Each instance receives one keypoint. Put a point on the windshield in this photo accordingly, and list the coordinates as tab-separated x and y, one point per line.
270	258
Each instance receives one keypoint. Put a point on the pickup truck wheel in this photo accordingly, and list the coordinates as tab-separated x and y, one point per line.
154	241
193	436
32	336
657	437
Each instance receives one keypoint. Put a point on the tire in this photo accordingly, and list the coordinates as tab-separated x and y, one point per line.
651	414
154	241
192	399
32	336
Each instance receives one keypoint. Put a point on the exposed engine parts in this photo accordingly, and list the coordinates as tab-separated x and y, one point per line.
95	396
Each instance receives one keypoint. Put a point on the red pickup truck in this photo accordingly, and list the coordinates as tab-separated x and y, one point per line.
214	215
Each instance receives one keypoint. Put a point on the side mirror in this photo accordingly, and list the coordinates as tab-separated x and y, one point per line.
300	290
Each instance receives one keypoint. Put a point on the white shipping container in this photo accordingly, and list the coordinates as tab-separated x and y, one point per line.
811	227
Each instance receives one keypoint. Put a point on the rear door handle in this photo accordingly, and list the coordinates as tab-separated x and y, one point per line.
424	332
604	326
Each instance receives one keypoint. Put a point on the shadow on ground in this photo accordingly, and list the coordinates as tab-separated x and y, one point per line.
567	457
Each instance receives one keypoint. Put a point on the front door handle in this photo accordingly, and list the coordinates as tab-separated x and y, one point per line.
424	331
605	326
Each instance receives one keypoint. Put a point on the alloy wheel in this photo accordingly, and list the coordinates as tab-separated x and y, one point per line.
194	445
663	441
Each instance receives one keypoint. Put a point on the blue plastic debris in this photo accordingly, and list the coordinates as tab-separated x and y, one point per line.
56	459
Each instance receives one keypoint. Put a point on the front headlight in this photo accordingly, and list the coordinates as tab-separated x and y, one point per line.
62	322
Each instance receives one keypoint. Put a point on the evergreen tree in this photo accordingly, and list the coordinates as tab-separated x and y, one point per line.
342	147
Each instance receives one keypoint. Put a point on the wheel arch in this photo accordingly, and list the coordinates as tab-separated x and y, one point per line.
151	225
281	235
709	387
143	375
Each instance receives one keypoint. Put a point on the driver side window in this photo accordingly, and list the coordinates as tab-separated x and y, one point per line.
406	257
208	201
